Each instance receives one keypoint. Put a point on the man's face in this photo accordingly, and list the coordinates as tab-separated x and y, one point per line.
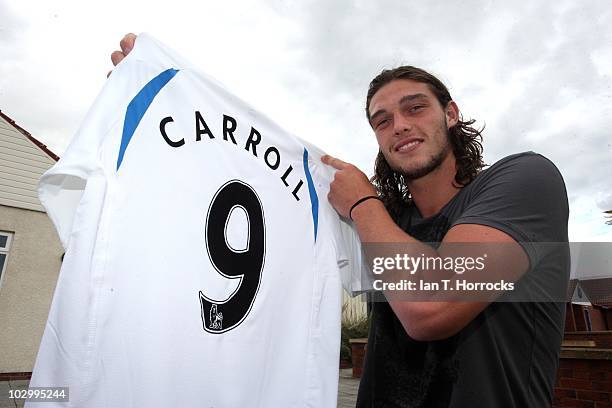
411	127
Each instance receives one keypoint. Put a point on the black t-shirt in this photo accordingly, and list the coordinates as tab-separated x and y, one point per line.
508	355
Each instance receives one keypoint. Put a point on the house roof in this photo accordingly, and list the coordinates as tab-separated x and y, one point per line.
27	134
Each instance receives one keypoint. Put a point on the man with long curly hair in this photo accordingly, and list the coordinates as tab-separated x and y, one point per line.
430	187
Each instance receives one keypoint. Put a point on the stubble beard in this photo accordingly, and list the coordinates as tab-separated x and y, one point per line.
434	161
432	164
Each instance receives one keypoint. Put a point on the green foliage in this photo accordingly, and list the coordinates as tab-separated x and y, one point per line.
352	328
609	217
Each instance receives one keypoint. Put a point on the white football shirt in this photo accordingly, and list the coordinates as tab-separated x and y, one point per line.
203	259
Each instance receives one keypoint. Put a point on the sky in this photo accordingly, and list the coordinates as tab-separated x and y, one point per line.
536	73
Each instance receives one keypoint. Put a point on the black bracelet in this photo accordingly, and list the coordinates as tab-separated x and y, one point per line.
361	200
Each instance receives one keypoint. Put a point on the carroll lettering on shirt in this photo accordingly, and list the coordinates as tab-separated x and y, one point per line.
201	127
271	155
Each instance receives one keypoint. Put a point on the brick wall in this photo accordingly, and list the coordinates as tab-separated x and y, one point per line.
601	340
584	379
587	318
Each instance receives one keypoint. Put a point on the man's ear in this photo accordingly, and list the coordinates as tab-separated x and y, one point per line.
452	114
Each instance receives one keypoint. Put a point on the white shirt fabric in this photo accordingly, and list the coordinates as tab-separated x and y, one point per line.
165	300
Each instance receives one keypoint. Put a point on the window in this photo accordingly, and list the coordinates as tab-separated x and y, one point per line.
5	245
587	319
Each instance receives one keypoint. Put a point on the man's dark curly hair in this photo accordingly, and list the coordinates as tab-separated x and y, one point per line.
464	139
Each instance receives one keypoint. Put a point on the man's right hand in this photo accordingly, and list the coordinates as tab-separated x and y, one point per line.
126	44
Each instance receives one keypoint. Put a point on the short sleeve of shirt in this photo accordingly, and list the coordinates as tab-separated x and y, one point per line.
522	195
346	244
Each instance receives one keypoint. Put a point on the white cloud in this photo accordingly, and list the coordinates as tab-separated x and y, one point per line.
604	200
588	223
